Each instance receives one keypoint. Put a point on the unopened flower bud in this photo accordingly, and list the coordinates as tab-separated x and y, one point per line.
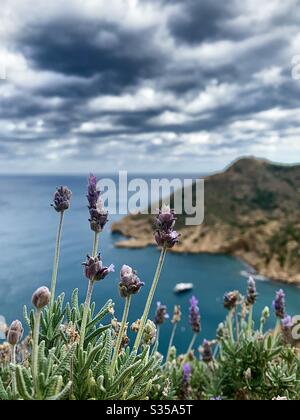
129	284
150	333
15	333
41	297
279	304
176	315
195	320
206	352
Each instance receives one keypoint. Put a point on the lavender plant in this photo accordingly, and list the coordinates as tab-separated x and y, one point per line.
75	352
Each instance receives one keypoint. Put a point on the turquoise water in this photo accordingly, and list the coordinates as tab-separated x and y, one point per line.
27	235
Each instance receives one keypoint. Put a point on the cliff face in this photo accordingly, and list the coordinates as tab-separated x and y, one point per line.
252	211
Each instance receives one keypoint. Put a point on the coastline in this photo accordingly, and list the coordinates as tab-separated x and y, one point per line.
138	235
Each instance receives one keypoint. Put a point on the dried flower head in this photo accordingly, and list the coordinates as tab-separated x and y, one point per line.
15	333
62	199
195	319
279	304
176	314
41	297
251	292
161	314
94	269
136	326
206	352
231	300
98	214
129	284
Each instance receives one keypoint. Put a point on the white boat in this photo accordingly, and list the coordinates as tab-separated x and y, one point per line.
183	287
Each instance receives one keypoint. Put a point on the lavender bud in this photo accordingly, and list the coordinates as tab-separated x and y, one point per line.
129	284
93	194
15	333
279	304
150	333
206	352
62	199
94	269
195	320
186	379
161	314
251	292
231	300
287	323
41	297
176	315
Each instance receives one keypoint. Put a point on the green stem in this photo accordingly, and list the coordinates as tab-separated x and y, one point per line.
96	244
230	324
56	260
191	344
13	361
276	332
120	335
35	349
250	321
171	342
150	298
88	299
86	309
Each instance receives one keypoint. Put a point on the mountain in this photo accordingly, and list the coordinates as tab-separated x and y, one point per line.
252	211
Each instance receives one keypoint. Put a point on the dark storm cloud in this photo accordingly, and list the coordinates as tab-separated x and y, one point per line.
116	56
202	21
157	78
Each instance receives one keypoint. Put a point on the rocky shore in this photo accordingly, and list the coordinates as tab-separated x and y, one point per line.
252	212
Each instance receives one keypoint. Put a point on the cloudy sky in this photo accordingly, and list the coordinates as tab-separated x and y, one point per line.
147	85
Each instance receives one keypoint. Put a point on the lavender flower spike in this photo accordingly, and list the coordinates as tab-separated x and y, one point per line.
62	199
195	320
165	235
279	304
161	314
251	292
98	215
186	373
206	352
94	269
231	300
129	284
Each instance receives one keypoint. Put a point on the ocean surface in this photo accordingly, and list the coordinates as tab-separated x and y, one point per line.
27	233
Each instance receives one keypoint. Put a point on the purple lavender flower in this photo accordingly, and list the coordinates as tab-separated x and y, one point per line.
195	320
231	300
129	284
186	373
287	323
62	199
165	220
168	239
206	352
161	314
98	215
251	292
216	399
93	194
279	304
94	269
164	223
